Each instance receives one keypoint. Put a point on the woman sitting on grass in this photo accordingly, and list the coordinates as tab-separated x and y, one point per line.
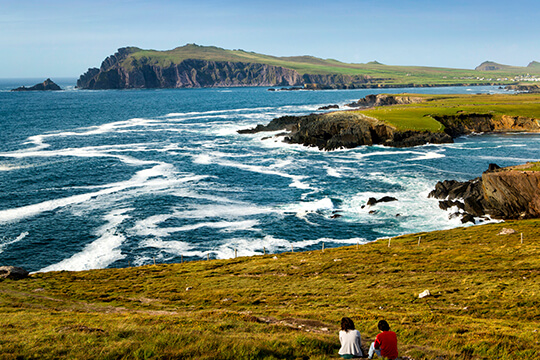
350	340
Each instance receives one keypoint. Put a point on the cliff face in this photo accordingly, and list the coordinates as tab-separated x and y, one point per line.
464	124
508	193
115	74
512	194
189	74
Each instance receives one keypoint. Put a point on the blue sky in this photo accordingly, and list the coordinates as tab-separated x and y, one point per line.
62	38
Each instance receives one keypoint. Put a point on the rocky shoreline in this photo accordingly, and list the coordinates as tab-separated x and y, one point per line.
500	193
345	129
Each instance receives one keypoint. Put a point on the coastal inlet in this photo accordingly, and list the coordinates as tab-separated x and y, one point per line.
96	179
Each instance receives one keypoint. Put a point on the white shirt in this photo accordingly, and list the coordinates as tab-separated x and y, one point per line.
350	343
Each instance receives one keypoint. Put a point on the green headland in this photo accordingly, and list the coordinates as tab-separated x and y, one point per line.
423	115
193	65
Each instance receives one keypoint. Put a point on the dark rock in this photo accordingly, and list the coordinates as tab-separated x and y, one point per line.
372	201
328	107
12	272
467	218
493	167
47	85
335	216
385	100
373	212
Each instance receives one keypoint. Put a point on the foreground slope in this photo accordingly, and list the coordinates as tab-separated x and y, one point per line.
208	66
484	305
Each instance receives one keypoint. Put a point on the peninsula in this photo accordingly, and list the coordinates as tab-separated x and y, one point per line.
410	120
193	66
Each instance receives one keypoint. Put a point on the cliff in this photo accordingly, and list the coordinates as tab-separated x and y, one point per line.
115	73
47	85
468	123
501	193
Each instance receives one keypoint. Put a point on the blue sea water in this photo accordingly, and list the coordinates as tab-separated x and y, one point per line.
97	179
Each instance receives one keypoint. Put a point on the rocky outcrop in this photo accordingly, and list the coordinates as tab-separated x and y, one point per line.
47	85
385	100
501	193
345	130
530	88
12	272
351	129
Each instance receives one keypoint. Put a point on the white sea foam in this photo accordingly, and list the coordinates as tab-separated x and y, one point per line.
212	159
428	156
158	177
100	253
4	242
143	228
303	208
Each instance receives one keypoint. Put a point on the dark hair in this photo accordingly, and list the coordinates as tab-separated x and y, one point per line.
347	324
383	325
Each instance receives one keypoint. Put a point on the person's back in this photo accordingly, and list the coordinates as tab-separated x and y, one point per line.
350	340
385	343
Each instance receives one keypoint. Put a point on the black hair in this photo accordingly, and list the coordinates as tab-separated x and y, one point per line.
383	325
347	324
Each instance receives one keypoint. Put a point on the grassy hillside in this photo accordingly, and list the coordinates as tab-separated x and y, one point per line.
381	74
485	302
420	116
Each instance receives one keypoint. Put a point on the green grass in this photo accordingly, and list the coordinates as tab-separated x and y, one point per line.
389	75
485	302
421	116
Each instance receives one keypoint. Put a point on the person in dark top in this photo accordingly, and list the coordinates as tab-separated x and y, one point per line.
385	343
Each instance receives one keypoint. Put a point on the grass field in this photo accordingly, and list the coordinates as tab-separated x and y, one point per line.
389	75
420	116
485	302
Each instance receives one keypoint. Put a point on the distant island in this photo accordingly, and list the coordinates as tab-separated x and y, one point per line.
47	85
195	66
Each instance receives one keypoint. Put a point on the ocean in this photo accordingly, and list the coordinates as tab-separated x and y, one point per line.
118	178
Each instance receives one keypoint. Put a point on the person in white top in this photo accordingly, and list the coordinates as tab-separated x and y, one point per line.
350	340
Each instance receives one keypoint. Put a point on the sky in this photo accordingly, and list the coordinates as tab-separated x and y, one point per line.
63	38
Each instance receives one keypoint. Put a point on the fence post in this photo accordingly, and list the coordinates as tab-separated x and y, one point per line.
235	253
264	250
521	238
419	240
323	246
389	239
